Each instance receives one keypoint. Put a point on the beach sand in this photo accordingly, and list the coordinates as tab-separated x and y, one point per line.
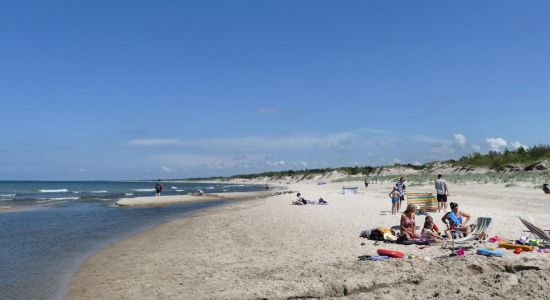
179	199
269	249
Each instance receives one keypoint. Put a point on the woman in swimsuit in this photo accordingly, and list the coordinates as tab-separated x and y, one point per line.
408	226
456	221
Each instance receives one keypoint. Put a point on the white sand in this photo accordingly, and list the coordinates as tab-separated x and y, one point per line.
270	249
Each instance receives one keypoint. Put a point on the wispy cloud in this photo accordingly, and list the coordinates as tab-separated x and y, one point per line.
267	111
202	160
304	150
257	143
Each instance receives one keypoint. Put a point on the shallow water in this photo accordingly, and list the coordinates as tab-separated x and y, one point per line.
41	248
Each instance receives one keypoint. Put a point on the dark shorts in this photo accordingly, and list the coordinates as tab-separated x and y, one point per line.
402	198
441	198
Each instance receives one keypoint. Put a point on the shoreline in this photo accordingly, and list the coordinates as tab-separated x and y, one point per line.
146	202
270	249
151	201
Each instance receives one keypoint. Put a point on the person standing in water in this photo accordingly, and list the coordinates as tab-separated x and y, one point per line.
442	192
158	187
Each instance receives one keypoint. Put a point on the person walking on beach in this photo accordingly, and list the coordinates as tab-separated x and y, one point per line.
394	195
158	187
442	192
400	187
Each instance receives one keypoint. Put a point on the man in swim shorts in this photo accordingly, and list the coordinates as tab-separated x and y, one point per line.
158	187
442	192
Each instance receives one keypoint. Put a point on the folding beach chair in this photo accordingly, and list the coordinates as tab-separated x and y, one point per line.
534	230
482	225
426	202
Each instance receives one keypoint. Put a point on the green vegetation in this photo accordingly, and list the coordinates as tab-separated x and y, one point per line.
498	160
508	178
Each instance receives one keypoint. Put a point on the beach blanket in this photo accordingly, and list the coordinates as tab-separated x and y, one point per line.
423	201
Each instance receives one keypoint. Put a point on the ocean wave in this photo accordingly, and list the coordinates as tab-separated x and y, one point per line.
225	190
54	191
143	190
57	199
7	195
210	188
128	194
180	190
174	187
99	192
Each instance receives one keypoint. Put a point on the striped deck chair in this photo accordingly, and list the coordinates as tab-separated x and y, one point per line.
482	225
535	230
423	201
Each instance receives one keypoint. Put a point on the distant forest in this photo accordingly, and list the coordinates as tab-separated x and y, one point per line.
492	160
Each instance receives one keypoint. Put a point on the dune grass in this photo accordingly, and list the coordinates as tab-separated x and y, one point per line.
510	179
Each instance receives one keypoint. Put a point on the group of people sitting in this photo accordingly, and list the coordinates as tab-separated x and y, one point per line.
302	201
455	220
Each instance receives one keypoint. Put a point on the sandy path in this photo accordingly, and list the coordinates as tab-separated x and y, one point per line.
270	249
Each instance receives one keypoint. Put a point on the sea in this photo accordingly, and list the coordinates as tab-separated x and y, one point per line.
62	222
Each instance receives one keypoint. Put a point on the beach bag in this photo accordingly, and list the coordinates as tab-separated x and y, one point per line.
376	235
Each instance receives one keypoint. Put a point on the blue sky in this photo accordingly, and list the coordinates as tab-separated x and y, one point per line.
146	89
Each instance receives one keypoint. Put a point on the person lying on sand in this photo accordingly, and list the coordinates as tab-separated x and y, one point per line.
301	201
456	221
408	225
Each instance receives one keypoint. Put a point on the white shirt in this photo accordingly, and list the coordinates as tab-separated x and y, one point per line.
441	186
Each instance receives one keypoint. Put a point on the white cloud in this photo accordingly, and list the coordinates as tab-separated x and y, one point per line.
397	161
460	139
516	145
305	164
476	147
82	170
496	144
165	169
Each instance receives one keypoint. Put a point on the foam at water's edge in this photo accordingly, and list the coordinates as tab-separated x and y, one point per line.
54	191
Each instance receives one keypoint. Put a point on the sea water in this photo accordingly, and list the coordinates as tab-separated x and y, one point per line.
63	222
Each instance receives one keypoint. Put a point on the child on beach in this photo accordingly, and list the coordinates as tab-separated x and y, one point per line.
430	230
394	196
